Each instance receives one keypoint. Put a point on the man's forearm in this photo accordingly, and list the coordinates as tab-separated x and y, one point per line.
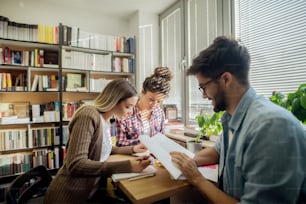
212	193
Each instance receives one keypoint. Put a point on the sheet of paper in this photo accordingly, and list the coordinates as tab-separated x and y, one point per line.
161	146
209	172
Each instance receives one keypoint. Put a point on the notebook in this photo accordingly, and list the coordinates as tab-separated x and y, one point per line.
149	171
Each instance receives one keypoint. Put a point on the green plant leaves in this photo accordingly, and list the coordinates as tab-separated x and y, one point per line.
209	124
303	101
294	102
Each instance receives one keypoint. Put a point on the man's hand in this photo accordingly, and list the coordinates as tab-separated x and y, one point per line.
187	166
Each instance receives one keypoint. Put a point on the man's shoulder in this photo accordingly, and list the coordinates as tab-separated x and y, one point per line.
263	107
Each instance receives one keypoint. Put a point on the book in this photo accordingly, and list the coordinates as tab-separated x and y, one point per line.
22	109
16	57
35	83
50	58
149	171
13	120
161	146
74	81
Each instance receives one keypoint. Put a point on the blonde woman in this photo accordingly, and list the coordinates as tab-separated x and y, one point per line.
148	116
85	167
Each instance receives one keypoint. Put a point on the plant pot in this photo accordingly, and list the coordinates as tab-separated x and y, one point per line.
194	146
204	137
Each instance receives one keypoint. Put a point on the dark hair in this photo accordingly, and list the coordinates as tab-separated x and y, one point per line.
224	55
159	81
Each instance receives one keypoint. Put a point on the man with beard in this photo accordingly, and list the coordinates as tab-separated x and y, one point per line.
261	153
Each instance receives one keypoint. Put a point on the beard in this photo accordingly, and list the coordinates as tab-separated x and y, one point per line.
220	102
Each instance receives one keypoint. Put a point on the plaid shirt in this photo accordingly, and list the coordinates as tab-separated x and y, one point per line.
129	129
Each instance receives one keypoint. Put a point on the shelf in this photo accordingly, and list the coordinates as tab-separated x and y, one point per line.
122	54
66	67
28	44
86	50
30	149
97	73
13	67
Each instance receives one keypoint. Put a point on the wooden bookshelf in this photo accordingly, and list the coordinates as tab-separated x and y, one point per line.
49	62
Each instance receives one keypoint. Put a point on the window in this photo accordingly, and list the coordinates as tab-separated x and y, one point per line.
274	33
202	29
172	52
203	21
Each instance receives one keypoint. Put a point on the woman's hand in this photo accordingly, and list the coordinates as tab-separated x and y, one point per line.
139	148
140	163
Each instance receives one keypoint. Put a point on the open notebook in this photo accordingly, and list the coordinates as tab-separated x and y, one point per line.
149	171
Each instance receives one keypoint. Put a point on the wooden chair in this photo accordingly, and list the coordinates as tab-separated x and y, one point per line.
29	187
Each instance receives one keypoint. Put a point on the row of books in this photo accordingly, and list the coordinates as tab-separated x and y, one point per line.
13	82
48	112
123	64
69	108
34	57
28	32
14	139
45	83
17	163
24	112
49	82
74	36
19	109
86	61
98	84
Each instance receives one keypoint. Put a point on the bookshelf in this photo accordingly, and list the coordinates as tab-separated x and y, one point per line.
26	141
46	73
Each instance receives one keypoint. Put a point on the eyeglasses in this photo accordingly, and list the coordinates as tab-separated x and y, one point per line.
202	87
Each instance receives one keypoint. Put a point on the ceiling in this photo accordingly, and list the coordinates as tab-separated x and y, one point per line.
118	8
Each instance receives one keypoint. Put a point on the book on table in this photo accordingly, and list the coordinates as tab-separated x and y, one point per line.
149	171
161	146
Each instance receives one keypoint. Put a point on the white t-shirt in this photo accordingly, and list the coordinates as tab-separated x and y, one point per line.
146	127
107	141
106	149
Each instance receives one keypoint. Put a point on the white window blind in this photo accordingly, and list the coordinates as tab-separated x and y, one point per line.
275	34
202	30
171	53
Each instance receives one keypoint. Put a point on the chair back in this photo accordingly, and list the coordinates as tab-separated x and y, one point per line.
31	184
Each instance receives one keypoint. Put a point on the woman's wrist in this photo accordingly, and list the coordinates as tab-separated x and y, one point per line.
133	149
195	161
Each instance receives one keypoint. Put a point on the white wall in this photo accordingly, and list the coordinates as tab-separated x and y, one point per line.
42	12
148	46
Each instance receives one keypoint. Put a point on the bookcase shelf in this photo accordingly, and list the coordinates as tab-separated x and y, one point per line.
50	81
28	44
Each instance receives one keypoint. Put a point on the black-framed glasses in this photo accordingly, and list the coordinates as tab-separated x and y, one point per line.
202	87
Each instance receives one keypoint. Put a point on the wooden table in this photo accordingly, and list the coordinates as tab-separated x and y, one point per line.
180	137
150	189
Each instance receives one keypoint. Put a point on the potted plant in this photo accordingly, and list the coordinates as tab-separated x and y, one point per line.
294	102
208	125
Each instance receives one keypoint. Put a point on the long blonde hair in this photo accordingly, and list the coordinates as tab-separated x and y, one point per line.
113	93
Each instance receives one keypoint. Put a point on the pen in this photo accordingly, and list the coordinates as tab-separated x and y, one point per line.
140	177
